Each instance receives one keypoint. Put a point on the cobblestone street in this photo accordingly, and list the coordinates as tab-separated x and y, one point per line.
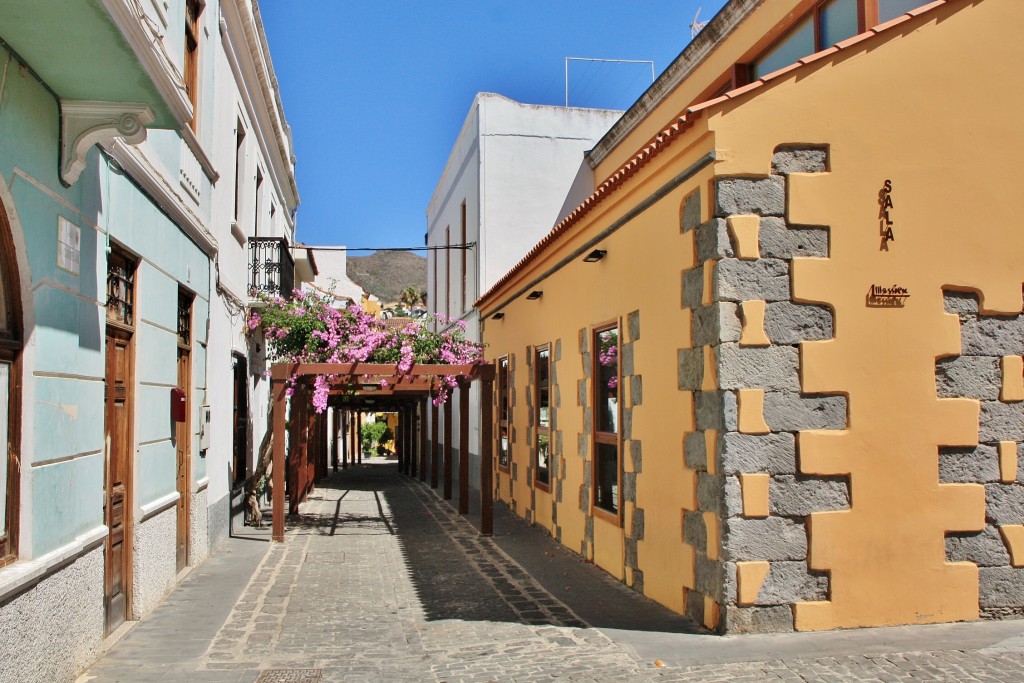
380	580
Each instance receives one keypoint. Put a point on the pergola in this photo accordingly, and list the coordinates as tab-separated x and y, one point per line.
381	387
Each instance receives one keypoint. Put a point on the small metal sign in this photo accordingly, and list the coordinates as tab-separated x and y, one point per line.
885	222
894	296
69	245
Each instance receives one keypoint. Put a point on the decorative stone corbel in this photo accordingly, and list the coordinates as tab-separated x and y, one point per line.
85	123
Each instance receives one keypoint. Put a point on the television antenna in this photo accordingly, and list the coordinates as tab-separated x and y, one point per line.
696	25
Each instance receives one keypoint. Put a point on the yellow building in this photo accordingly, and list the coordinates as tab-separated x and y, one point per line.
770	373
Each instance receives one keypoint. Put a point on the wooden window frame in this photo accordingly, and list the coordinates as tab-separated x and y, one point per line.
605	438
11	345
504	411
190	73
538	430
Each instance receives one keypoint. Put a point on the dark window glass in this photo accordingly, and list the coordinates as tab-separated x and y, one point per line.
607	465
797	44
838	22
608	381
542	368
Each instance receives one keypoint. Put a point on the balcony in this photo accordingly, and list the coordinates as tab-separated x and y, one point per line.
271	267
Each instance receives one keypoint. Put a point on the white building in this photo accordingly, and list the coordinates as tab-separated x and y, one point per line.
511	172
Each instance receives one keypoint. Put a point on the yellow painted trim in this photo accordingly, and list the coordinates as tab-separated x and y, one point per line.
1007	461
711	613
745	231
710	382
712	527
755	494
711	450
750	577
750	409
1013	379
707	296
752	315
1013	537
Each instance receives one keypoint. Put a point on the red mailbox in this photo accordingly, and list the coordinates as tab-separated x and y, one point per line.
178	404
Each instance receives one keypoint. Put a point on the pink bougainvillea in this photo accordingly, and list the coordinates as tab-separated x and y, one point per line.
306	329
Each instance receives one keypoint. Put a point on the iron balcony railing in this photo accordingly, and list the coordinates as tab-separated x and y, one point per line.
271	267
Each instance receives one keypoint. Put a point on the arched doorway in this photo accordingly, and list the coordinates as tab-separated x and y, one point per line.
10	392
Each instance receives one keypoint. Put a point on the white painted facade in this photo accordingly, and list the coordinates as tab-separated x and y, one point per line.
512	167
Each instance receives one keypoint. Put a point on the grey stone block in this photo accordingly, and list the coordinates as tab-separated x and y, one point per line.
733	497
777	239
739	620
637	528
968	465
772	453
961	303
767	367
788	323
626	359
712	241
992	336
790	412
581	392
761	196
633	324
558	350
711	493
788	160
715	323
627	424
709	576
638	581
1001	587
773	538
695	533
695	451
629	487
582	336
693	287
708	410
636	390
581	445
969	377
766	279
690	369
1004	503
695	606
630	548
730	411
985	549
636	454
789	496
1001	422
789	582
690	218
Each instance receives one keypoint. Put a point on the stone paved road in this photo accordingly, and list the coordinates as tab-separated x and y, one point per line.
379	580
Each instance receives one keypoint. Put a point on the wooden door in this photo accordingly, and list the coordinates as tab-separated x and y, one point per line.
117	513
182	440
241	422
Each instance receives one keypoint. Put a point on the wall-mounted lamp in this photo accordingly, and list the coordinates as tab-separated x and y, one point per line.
594	256
535	294
498	316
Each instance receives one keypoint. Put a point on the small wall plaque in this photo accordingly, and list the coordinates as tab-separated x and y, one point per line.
69	245
885	222
892	296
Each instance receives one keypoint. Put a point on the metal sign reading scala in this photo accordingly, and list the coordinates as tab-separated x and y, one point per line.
893	296
884	220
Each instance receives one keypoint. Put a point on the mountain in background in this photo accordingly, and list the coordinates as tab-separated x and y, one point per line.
386	273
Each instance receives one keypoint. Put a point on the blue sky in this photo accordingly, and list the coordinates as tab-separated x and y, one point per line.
376	92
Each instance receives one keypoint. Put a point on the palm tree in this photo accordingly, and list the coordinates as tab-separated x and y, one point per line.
411	296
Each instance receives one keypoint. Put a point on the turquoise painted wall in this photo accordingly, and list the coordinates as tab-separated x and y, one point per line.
65	469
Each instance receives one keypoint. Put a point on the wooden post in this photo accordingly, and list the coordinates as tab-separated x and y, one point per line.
414	455
349	440
423	438
335	413
487	455
277	421
448	447
434	445
359	438
464	448
407	440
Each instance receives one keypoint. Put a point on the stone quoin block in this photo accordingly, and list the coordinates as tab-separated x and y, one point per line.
968	465
693	287
773	538
1001	422
633	325
715	410
1004	503
1001	587
797	497
789	582
985	548
766	279
695	451
695	606
963	304
788	323
629	487
777	239
637	527
772	453
761	196
715	323
992	336
630	548
690	369
795	159
968	377
711	493
733	497
712	241
790	412
740	620
626	359
709	576
636	455
695	533
770	368
690	218
636	390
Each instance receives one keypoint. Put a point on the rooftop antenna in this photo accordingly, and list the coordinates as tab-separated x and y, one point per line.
696	25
